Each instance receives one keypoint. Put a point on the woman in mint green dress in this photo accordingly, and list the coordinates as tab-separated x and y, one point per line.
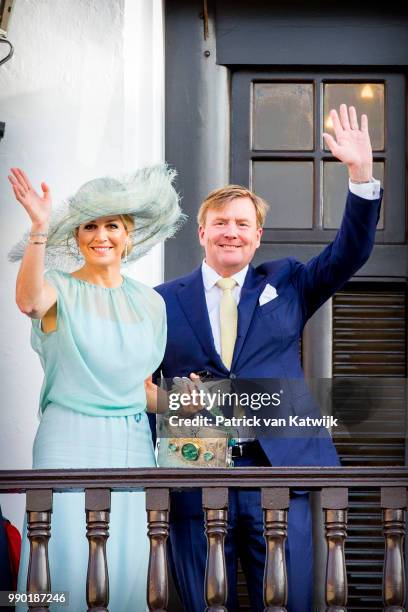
99	336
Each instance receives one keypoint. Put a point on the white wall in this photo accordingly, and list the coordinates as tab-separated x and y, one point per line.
82	97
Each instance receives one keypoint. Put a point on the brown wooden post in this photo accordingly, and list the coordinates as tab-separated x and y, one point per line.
334	503
39	509
394	503
215	505
97	508
157	506
275	504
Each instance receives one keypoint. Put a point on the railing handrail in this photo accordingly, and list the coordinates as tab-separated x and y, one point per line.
275	484
123	479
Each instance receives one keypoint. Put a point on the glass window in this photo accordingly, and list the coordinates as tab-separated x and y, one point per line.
288	187
368	98
277	148
283	116
335	184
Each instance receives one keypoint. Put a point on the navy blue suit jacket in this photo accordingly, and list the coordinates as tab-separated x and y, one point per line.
267	345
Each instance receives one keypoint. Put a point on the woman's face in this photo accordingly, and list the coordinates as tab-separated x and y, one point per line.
102	241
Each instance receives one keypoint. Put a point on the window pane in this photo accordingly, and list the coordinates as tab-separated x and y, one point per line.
288	187
283	116
335	185
367	98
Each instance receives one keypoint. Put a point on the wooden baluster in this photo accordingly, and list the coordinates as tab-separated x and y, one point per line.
157	506
39	509
275	504
215	505
97	508
394	503
334	503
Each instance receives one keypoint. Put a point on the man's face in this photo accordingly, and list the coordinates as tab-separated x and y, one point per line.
230	236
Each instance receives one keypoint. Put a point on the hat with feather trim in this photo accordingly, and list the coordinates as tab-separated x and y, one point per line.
147	195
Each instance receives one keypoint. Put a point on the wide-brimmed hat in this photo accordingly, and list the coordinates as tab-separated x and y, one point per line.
147	195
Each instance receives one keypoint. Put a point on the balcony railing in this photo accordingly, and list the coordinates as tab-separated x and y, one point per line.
275	484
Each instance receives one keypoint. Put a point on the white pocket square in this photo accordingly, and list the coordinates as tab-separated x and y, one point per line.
268	294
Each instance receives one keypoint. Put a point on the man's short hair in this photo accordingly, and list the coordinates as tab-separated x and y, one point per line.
219	197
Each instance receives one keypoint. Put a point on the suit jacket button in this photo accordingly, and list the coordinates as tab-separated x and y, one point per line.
232	376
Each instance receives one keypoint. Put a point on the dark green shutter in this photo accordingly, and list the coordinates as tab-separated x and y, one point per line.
369	344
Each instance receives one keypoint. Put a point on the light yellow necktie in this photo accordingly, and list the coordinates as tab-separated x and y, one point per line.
228	325
228	319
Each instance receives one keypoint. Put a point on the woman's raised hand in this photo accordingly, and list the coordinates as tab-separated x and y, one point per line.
37	207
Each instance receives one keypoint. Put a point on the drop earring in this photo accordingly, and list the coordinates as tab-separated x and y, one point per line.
125	257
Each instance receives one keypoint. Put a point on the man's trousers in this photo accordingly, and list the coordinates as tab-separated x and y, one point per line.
188	547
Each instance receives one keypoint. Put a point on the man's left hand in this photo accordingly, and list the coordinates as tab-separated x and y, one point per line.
352	144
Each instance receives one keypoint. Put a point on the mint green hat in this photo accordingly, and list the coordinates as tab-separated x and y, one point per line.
147	195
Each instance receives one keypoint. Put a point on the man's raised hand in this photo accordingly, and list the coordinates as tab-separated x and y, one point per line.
352	144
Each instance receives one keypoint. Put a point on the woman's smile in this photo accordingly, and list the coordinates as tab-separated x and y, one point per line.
101	250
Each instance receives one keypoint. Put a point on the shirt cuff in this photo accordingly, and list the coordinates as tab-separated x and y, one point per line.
368	191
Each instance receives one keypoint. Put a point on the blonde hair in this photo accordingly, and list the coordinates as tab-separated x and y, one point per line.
129	223
219	197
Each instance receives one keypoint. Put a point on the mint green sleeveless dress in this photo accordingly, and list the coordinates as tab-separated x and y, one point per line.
93	415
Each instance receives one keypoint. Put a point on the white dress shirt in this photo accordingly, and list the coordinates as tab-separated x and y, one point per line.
369	191
213	297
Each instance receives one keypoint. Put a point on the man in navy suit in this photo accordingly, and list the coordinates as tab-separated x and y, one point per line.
274	301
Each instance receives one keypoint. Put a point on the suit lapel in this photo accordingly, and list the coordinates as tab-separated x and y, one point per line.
192	301
251	290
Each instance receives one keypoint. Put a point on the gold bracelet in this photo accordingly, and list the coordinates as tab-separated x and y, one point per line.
37	242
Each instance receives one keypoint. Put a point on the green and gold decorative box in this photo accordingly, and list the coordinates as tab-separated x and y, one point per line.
193	447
